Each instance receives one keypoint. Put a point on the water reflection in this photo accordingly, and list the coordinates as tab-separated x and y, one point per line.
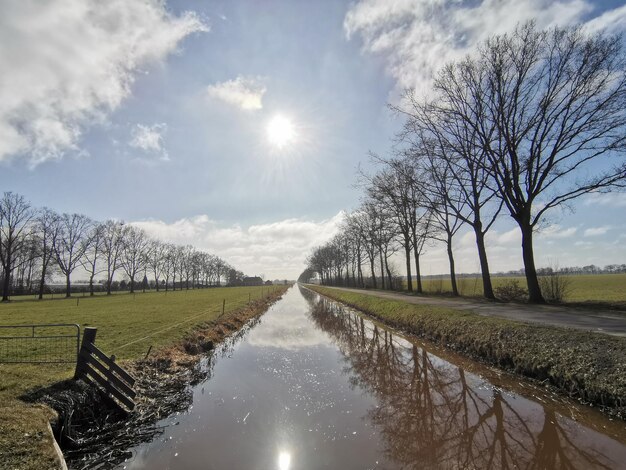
432	414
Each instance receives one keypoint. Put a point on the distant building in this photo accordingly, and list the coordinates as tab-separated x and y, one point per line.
268	283
252	281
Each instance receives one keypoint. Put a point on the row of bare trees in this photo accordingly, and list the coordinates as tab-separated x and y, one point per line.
524	125
37	244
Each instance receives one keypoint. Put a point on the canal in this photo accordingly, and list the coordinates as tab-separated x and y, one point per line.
315	385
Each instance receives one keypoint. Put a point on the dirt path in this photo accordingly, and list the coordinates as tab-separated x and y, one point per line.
601	321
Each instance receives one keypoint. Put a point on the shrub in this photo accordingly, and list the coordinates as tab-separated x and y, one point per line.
555	286
511	290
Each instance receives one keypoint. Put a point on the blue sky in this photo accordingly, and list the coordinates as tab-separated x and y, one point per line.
156	113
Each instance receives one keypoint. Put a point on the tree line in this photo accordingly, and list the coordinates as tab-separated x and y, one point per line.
525	124
37	243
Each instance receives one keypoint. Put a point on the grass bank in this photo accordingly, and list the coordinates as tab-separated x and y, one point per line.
586	366
127	326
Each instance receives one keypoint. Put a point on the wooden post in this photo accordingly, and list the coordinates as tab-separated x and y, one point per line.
223	306
89	336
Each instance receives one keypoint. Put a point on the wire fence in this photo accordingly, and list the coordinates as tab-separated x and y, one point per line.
39	344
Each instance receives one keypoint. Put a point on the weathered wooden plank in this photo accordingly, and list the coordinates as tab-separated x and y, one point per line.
119	384
87	369
107	360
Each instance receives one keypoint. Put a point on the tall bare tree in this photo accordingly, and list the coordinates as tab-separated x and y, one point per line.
157	259
134	254
549	108
112	244
444	220
92	257
70	244
47	229
461	153
16	215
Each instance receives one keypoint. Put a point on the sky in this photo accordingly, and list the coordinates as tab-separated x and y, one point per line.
157	113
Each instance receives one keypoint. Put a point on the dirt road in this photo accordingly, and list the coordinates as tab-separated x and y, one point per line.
600	321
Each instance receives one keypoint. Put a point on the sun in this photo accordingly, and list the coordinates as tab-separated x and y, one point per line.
280	131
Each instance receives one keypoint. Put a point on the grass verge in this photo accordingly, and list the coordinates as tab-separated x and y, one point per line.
127	326
587	366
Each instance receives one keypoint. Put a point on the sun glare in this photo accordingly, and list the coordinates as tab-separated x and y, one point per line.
280	131
284	461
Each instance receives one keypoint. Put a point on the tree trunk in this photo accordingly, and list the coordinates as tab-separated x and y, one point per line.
418	275
455	290
6	285
91	292
484	264
382	270
373	272
42	281
389	278
68	286
534	291
132	285
407	251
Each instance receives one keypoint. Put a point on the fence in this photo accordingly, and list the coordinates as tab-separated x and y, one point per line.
39	344
95	367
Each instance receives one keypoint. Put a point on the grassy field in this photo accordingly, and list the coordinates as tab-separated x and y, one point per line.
593	288
127	326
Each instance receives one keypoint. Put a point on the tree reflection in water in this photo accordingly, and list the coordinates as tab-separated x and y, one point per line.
432	414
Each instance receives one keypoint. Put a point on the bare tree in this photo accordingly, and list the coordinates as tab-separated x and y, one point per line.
16	216
549	108
461	153
94	252
157	259
112	244
443	217
366	224
134	257
169	263
47	231
70	244
392	187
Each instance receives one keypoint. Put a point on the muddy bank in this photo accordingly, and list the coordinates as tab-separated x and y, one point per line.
94	434
588	367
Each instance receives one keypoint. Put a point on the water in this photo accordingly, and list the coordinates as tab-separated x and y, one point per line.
316	386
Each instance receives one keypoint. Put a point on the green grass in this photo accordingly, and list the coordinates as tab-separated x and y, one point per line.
584	288
588	366
127	326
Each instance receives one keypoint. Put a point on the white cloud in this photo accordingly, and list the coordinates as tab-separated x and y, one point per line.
277	249
244	92
417	37
556	231
66	64
149	139
596	231
606	199
613	21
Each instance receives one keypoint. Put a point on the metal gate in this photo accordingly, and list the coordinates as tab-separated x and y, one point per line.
39	344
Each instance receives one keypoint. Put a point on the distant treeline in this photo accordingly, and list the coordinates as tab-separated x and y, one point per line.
573	270
525	124
38	243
